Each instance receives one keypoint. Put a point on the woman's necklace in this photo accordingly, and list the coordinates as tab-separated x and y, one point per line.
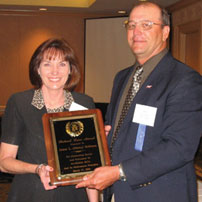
58	109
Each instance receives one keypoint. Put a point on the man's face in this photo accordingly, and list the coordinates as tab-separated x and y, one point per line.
147	43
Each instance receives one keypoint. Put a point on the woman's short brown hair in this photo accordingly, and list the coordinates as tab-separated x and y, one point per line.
54	47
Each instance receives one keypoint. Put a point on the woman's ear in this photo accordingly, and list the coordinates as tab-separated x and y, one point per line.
39	73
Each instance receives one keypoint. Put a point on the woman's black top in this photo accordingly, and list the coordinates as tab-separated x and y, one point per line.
22	126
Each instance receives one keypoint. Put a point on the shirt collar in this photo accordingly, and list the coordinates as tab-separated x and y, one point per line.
38	100
150	64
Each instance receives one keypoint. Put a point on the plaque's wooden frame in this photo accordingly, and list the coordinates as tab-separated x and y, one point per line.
73	178
198	161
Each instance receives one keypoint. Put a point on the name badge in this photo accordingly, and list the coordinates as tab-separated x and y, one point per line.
144	115
76	107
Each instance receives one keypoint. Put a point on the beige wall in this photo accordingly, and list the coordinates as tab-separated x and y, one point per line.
21	33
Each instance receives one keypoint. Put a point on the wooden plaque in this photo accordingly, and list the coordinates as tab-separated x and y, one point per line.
75	143
198	161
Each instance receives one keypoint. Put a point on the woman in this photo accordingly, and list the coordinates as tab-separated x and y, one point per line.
54	73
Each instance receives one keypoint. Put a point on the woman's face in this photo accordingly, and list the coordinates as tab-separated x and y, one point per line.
54	72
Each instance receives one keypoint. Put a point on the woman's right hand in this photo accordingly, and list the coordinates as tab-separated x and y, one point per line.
43	171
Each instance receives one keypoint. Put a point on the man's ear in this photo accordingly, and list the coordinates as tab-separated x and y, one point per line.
166	31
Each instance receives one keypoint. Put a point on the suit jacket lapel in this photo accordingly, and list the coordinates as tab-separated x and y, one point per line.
121	84
153	87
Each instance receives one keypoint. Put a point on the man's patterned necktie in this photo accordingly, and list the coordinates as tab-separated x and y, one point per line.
134	87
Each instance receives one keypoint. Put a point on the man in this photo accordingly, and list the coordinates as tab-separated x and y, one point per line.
153	148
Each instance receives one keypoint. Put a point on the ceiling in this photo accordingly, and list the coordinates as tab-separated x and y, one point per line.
97	7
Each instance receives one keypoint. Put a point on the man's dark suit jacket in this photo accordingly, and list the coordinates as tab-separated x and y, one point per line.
163	171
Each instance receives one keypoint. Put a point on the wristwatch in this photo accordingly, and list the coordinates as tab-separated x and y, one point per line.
122	175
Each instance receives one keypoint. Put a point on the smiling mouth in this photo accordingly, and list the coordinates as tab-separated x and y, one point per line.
54	79
138	41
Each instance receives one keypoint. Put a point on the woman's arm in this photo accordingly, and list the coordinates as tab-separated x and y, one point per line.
93	195
9	164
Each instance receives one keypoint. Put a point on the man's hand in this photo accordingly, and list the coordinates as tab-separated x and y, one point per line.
107	129
101	178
